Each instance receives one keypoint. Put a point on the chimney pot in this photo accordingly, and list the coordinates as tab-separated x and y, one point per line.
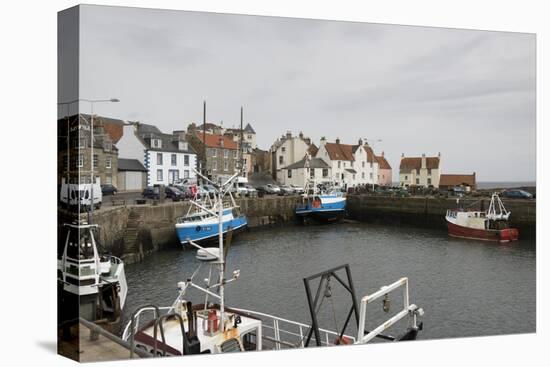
337	140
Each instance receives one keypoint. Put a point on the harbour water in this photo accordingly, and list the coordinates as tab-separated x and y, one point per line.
467	288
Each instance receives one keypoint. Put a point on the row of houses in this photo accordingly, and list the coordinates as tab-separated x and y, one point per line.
132	155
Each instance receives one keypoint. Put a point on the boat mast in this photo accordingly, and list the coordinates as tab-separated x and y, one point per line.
221	257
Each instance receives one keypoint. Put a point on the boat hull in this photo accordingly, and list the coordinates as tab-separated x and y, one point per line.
329	209
207	232
495	235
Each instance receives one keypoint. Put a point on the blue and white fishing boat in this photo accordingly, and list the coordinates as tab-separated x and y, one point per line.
202	222
323	205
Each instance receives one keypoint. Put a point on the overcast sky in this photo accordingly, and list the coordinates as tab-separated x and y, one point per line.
467	94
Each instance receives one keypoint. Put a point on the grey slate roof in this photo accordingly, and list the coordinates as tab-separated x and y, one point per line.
130	165
146	132
248	128
313	163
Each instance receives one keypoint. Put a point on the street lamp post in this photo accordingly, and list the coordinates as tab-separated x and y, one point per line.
91	101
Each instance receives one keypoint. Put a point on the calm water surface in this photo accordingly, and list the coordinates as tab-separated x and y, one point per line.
467	288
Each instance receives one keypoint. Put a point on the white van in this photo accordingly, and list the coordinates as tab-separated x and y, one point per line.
239	186
79	195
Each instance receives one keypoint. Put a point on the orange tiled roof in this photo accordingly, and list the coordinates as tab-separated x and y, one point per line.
218	141
382	163
457	180
408	164
339	152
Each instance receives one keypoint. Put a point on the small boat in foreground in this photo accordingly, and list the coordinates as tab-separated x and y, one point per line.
490	225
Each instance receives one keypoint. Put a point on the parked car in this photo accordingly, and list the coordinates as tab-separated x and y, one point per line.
516	194
108	189
297	189
261	191
173	193
286	190
151	192
272	189
252	192
186	189
210	190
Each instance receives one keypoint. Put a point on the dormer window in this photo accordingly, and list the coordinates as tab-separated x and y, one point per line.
182	145
156	143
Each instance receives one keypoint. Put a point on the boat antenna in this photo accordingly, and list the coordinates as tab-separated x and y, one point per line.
204	138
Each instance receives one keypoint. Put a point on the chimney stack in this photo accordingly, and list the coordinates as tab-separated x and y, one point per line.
360	141
423	160
402	155
382	153
288	135
301	135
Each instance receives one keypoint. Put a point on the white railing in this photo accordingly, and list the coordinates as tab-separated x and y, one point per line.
410	310
288	333
126	333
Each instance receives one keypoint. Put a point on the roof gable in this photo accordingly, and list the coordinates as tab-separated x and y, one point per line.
382	162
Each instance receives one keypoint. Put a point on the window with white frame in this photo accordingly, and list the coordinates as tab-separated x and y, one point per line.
186	173
363	175
225	165
312	173
186	160
289	174
159	159
159	175
325	172
370	175
215	165
363	164
108	162
213	152
339	164
96	159
174	160
226	153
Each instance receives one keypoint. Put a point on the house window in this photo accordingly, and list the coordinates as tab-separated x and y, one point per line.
370	175
159	175
418	171
214	165
156	143
182	145
429	181
363	164
95	160
417	181
289	173
339	164
363	175
249	137
429	171
186	173
406	177
173	160
235	154
213	152
108	180
280	159
226	153
325	172
283	149
354	177
344	164
108	162
173	175
159	159
312	173
186	160
370	164
225	165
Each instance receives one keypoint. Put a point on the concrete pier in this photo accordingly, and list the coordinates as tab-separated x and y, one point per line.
134	231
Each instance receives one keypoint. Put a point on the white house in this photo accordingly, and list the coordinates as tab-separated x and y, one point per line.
420	171
167	157
350	165
287	150
300	172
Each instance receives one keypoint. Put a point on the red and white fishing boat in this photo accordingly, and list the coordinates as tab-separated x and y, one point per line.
490	225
